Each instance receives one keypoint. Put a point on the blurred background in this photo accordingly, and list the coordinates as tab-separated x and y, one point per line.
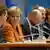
25	5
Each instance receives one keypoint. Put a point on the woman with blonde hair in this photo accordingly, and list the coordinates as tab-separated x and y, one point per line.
12	29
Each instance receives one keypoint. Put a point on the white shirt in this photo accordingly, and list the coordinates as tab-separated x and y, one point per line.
40	32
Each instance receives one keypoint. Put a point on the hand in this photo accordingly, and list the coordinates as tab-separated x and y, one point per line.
8	42
44	38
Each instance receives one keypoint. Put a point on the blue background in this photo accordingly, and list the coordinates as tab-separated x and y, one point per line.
26	5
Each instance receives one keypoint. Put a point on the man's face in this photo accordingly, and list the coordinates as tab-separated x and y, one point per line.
36	19
43	14
15	17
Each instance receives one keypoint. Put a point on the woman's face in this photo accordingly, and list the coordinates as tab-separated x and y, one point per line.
15	17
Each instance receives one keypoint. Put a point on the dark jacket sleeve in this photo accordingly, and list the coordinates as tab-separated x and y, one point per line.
2	40
46	30
25	30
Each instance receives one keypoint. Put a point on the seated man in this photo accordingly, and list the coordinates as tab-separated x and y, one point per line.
32	25
46	24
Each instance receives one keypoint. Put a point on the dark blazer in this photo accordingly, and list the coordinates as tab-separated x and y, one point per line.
27	31
45	29
2	40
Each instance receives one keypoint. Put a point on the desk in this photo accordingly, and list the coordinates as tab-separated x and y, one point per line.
39	46
25	45
37	43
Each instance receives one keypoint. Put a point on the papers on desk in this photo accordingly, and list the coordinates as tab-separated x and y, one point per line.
30	42
15	43
35	41
38	41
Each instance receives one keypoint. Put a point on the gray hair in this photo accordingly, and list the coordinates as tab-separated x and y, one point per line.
36	12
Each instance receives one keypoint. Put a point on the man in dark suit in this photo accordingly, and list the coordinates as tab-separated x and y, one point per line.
46	24
32	25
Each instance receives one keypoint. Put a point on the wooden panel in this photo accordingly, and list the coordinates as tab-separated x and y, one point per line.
4	48
25	45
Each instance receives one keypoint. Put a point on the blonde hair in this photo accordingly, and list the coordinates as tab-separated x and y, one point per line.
14	8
